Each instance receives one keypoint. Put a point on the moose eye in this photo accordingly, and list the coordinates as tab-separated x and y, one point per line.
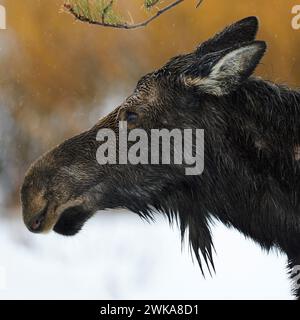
131	117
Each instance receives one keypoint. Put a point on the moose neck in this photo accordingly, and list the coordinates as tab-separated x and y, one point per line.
267	101
250	159
258	121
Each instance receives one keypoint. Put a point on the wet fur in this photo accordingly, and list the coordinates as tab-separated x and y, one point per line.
251	178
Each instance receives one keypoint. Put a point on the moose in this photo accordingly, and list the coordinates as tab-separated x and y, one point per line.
251	176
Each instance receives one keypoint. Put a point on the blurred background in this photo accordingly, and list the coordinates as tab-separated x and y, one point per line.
57	78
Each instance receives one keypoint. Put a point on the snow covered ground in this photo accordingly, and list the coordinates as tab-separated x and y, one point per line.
119	256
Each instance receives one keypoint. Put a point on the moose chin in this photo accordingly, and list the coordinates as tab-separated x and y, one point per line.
251	178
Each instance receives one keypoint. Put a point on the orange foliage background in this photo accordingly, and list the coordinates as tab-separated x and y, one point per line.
55	71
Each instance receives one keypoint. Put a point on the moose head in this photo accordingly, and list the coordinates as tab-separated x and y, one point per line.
212	89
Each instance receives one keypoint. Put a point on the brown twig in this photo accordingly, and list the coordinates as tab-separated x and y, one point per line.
124	25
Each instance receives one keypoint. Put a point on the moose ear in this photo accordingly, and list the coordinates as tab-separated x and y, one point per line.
228	68
242	31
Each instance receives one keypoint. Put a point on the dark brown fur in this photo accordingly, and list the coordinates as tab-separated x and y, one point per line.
251	176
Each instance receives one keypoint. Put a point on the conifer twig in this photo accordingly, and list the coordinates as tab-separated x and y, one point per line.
79	14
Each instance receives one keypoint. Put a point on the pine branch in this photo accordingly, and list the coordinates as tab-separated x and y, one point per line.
102	13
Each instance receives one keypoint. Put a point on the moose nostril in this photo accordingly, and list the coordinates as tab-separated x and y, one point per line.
36	224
